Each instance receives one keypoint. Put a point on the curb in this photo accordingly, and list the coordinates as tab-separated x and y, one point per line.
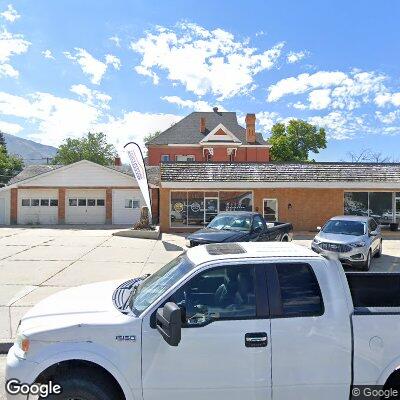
5	346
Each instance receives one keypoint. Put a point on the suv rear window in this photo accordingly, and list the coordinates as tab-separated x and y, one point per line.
300	291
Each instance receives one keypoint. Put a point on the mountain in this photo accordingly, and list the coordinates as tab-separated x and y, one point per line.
30	151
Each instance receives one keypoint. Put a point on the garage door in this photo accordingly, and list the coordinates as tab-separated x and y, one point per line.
2	211
126	206
38	206
85	206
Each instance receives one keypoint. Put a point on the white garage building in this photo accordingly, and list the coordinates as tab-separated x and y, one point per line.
79	193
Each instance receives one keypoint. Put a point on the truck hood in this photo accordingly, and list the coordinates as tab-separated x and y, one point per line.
208	235
88	304
337	238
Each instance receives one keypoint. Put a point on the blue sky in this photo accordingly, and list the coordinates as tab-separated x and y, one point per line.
131	67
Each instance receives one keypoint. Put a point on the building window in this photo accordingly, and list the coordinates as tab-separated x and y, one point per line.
195	209
236	201
379	205
208	154
44	202
35	202
164	157
100	202
91	202
132	203
82	202
26	202
72	202
184	158
178	209
270	210
53	203
231	154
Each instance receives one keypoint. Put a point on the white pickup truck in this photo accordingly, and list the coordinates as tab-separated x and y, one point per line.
223	321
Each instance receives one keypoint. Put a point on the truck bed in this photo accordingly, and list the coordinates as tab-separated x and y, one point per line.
375	292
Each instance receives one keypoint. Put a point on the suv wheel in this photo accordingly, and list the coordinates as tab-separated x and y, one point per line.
379	251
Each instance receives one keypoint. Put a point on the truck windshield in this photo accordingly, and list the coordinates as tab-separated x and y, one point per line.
158	283
231	222
342	227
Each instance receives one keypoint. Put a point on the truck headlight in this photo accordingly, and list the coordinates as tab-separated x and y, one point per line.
316	241
187	243
358	244
22	342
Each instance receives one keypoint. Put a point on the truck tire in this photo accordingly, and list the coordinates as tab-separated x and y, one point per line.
285	238
84	384
379	252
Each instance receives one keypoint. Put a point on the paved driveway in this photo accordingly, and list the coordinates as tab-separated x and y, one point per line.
36	262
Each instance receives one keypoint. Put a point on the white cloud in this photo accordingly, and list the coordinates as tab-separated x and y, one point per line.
294	57
9	127
388	118
198	105
203	61
266	120
48	54
10	14
319	99
114	61
336	90
11	44
383	99
91	96
92	66
116	40
8	70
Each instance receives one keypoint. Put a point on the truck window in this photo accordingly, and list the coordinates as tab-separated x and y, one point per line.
258	222
218	294
300	291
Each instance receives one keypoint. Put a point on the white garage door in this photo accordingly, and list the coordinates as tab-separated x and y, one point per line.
85	206
38	206
126	206
2	211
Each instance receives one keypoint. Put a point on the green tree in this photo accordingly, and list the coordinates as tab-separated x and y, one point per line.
150	136
92	147
295	140
10	165
3	140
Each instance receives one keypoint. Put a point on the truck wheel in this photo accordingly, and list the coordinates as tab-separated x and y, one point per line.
379	252
285	238
83	384
367	264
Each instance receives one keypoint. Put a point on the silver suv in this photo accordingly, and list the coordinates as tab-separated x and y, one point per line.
354	240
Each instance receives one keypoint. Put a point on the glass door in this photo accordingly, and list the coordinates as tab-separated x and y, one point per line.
210	208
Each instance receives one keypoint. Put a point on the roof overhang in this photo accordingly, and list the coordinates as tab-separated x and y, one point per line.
381	186
214	139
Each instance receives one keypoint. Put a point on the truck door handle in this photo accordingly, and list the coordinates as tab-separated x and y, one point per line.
256	339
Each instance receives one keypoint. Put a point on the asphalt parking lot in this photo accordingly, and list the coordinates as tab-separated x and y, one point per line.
37	262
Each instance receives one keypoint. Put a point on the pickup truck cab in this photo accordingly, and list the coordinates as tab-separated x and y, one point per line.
241	226
223	321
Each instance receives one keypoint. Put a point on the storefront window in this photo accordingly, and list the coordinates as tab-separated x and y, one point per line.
356	203
381	207
235	201
195	209
178	211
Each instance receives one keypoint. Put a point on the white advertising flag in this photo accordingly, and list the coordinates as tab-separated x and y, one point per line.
137	163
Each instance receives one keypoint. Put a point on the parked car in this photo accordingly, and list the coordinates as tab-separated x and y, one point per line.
240	226
231	320
353	239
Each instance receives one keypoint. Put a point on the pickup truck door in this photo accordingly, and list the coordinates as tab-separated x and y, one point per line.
311	333
258	232
225	352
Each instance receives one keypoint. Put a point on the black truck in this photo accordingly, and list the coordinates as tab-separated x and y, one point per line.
240	226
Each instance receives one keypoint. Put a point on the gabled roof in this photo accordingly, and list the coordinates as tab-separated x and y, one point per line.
220	134
383	174
187	130
32	171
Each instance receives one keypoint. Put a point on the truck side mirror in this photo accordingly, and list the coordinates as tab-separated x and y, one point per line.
373	233
169	323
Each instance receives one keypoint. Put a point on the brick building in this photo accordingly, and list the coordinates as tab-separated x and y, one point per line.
209	136
307	195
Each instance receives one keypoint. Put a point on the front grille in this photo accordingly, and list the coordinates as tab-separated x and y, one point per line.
336	247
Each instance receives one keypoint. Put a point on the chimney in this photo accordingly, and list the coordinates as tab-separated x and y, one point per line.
250	128
117	161
202	124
